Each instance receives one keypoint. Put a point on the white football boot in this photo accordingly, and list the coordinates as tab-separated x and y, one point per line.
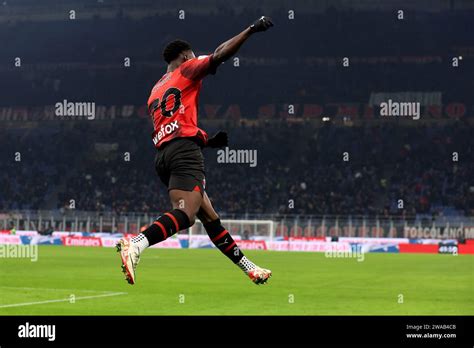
259	275
130	256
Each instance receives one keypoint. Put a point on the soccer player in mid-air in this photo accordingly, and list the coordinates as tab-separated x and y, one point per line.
173	105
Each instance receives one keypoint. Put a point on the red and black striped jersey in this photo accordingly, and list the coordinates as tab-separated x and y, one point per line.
173	102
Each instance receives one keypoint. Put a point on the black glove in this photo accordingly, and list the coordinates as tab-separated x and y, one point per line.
220	139
261	24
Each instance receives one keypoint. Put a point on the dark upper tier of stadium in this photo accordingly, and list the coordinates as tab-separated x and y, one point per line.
301	61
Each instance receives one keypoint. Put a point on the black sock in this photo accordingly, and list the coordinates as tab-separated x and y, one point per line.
223	240
166	225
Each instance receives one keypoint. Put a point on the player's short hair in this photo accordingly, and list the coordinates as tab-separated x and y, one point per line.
174	48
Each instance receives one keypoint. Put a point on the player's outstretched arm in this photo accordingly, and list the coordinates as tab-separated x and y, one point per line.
230	47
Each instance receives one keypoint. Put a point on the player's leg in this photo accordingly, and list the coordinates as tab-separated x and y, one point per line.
227	245
185	206
180	167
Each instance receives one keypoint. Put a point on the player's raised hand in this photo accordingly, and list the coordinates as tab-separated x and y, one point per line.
261	24
218	140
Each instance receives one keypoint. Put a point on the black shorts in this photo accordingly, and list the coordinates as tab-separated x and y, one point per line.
180	165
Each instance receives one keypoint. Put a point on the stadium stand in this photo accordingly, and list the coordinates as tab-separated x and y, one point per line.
84	160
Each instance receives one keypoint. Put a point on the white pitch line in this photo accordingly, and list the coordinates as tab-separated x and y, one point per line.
54	289
62	300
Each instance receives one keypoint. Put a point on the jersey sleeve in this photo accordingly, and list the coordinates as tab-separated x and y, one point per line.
198	68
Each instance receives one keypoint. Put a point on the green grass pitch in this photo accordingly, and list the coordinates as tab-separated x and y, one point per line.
88	281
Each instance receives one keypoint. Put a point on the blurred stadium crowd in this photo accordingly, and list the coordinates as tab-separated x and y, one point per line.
90	165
